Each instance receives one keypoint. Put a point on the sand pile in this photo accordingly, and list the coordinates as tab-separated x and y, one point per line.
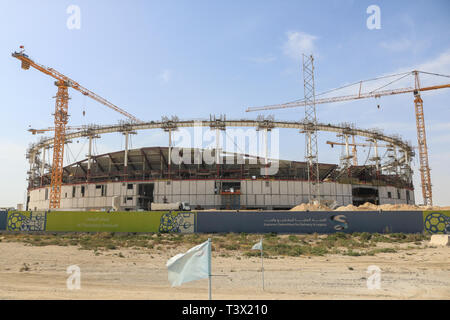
310	207
349	207
399	207
368	207
389	207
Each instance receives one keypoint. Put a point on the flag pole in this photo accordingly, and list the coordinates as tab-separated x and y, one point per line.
262	264
209	268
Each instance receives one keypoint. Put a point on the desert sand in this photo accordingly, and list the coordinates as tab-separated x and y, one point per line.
368	207
141	274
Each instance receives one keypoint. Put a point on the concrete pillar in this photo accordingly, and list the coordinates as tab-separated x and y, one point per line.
90	154
218	152
347	151
169	158
42	166
266	146
125	161
89	159
377	162
218	146
394	148
43	161
32	164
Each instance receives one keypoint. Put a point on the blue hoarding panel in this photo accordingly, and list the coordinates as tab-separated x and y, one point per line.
310	222
3	219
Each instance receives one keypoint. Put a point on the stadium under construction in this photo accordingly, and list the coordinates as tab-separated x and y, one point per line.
138	177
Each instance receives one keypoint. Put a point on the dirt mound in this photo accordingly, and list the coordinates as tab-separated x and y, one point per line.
310	207
399	207
349	207
368	207
388	207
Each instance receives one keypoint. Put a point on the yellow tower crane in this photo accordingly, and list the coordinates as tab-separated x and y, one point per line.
61	118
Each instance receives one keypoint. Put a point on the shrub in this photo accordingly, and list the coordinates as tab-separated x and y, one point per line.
318	251
352	253
365	236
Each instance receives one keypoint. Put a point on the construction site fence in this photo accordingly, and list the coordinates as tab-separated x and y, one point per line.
282	222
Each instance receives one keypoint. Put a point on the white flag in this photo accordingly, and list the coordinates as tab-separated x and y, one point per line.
189	266
258	246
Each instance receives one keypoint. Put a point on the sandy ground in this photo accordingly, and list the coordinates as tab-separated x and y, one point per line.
141	274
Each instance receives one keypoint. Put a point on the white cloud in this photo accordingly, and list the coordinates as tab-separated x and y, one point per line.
396	45
299	43
440	65
264	59
394	126
442	126
13	173
443	138
165	76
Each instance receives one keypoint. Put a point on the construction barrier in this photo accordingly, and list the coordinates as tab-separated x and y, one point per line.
3	219
432	222
311	222
85	221
436	222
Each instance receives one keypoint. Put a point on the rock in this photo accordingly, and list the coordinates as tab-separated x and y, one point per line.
440	240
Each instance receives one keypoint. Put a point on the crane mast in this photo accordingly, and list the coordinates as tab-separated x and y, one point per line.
61	119
422	144
312	153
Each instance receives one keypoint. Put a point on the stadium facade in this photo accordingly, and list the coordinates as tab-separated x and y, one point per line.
235	181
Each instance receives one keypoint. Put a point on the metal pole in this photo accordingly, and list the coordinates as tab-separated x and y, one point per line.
209	268
262	265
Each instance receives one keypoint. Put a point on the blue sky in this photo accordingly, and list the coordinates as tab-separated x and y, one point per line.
195	58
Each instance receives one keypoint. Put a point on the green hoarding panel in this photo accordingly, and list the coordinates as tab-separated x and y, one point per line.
120	221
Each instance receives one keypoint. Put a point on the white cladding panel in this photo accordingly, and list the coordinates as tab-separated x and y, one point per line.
201	187
176	187
209	187
192	187
257	187
185	187
283	187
